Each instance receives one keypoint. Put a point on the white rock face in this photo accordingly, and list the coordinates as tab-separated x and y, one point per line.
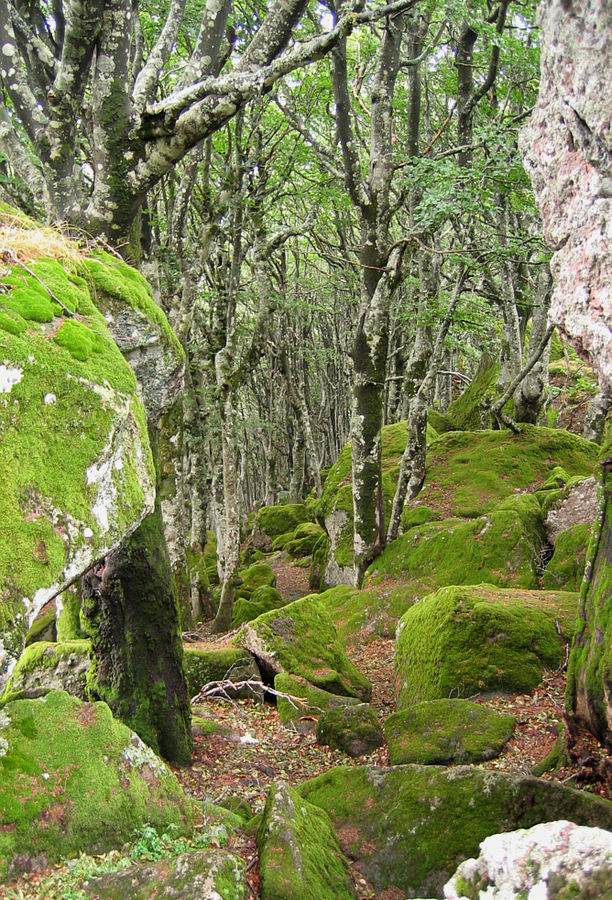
577	507
535	864
567	148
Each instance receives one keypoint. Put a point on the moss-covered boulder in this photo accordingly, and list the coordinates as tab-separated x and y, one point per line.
203	665
466	640
303	703
502	547
260	574
299	855
362	616
272	521
304	540
565	569
42	628
75	461
407	828
46	666
194	875
441	732
262	600
301	639
468	412
353	729
74	779
470	473
335	507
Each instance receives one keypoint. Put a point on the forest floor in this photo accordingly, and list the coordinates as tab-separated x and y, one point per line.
254	750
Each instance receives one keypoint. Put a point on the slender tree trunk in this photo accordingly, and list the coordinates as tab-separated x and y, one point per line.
530	396
231	517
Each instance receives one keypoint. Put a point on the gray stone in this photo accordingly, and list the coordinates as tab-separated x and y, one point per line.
577	505
555	859
45	667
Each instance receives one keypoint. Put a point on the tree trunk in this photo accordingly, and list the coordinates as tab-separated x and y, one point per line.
531	394
231	518
589	684
131	614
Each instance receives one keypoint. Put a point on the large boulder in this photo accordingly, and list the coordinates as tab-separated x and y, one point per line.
478	639
272	521
554	859
74	779
204	664
299	856
408	827
300	703
301	639
75	460
441	732
501	547
354	729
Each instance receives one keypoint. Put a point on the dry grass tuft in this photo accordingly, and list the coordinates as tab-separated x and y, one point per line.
37	242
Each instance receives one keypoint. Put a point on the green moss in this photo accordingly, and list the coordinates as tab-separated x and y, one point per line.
92	794
301	640
112	276
467	413
276	520
38	661
12	322
42	629
566	567
261	600
362	616
440	732
500	548
299	856
438	422
76	338
408	827
463	641
68	617
353	729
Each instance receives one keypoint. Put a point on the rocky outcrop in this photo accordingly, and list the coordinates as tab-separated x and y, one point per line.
555	859
567	150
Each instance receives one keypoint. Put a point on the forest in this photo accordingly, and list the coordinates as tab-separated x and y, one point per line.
305	373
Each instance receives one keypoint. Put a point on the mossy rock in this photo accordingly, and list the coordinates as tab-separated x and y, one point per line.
467	640
194	875
75	463
303	716
218	664
260	574
502	547
441	732
406	828
320	557
299	855
363	616
566	567
272	521
68	612
46	666
304	540
353	729
74	779
439	422
42	628
467	412
301	639
469	473
262	600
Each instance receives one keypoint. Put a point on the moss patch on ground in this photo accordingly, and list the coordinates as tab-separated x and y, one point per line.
440	732
408	827
299	855
463	641
301	639
74	779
